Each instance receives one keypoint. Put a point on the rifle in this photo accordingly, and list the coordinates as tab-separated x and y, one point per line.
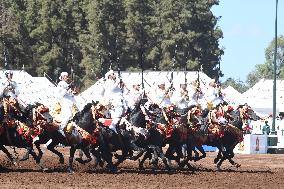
173	66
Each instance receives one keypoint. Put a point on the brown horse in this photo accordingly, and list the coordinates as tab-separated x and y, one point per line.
223	136
16	131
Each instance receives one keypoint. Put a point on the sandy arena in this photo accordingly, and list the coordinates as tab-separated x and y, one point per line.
257	171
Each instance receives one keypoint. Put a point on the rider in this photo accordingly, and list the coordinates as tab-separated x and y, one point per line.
9	87
195	94
135	94
65	90
163	95
213	94
114	94
180	97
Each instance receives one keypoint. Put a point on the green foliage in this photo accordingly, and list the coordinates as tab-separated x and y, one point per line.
236	84
266	70
88	37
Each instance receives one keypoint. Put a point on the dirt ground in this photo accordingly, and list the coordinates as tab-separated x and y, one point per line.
257	171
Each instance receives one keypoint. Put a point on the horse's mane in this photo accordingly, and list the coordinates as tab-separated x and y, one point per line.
138	104
80	114
27	112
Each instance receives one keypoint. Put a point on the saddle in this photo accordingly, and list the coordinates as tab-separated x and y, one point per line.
73	131
56	114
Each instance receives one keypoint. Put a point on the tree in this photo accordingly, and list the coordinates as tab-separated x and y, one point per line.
266	70
236	84
88	37
12	32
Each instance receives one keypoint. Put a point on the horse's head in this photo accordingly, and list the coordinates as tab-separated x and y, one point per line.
193	114
41	112
86	118
11	107
98	110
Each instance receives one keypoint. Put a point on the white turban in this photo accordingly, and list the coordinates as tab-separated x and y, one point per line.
62	75
110	72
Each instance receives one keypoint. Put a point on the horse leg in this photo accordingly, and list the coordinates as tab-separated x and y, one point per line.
51	147
147	155
179	155
10	157
124	150
219	155
230	158
37	145
87	153
170	153
201	149
72	153
220	162
225	156
162	156
36	158
107	156
134	147
155	158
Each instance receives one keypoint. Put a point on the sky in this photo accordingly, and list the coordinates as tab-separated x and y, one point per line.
248	27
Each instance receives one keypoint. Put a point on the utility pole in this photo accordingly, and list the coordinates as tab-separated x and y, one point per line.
274	75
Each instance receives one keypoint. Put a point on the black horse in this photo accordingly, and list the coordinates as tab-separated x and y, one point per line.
145	115
82	133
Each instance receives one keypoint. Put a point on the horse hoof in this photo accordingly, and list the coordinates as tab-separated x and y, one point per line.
215	160
15	163
111	168
101	163
238	165
44	169
88	160
24	159
170	170
70	170
218	168
182	164
80	160
141	168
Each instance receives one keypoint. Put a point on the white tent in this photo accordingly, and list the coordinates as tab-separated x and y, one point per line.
260	96
231	95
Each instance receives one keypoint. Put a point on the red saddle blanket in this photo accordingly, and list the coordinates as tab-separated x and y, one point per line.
105	122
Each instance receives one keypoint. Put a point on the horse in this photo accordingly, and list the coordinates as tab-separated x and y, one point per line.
78	134
83	133
39	116
144	116
14	131
225	137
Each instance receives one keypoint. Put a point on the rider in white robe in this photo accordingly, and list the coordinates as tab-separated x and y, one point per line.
180	97
114	94
213	94
9	88
135	94
67	100
163	95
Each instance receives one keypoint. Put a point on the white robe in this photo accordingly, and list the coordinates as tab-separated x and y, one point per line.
67	102
162	99
179	99
9	88
213	96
